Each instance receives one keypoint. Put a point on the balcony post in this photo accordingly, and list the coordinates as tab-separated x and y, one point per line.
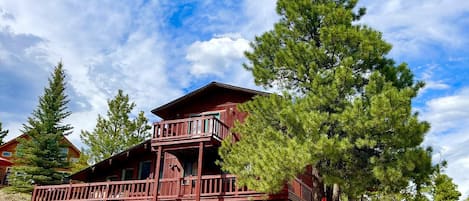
157	173
33	197
199	171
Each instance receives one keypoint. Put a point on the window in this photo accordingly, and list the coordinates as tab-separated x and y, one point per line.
74	160
6	154
195	127
64	150
112	178
144	169
190	167
127	174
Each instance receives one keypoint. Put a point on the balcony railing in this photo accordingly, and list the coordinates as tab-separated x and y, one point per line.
114	190
207	126
211	185
169	189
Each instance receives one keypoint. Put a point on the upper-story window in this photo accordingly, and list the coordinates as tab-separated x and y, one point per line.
6	153
205	126
64	150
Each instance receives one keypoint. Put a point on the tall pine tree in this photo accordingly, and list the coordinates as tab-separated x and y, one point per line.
118	131
40	155
443	188
3	133
345	110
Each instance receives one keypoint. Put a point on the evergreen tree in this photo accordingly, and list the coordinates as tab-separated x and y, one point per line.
82	163
117	132
3	133
443	188
345	109
40	155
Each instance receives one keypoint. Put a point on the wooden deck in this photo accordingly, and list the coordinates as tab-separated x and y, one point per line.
213	187
190	130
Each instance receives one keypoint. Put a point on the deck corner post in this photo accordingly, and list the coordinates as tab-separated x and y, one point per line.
157	173
33	196
199	171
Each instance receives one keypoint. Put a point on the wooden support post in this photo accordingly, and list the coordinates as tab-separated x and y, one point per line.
33	197
199	171
157	174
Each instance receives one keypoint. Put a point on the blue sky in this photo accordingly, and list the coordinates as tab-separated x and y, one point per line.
158	50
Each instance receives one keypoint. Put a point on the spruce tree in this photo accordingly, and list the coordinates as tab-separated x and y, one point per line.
39	156
3	133
345	108
117	131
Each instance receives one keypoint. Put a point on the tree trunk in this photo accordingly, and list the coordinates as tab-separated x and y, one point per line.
333	192
336	193
318	185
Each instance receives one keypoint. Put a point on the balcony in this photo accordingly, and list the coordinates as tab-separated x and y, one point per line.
212	187
169	189
189	130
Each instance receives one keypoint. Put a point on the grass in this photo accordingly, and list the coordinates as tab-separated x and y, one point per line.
12	196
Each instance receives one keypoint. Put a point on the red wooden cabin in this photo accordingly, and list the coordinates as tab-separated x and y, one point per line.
178	162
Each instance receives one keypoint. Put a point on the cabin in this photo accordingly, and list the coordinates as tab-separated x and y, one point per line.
8	155
178	162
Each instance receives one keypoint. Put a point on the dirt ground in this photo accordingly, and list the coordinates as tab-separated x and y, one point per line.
7	196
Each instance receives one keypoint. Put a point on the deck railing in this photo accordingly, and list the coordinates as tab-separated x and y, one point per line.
114	190
211	185
169	189
302	191
190	128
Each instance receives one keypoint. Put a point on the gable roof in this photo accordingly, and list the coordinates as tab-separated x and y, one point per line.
164	109
14	140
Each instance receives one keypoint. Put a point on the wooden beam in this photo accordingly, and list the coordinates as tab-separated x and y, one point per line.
157	174
199	171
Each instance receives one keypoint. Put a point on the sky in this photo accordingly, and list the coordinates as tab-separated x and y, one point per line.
157	51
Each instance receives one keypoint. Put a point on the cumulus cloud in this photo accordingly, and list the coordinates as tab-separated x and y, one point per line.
449	117
104	46
217	55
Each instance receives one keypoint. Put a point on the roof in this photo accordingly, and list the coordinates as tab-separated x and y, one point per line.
143	145
162	110
24	135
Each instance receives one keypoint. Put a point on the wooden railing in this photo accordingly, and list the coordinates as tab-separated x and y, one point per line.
300	190
169	189
211	185
190	128
114	190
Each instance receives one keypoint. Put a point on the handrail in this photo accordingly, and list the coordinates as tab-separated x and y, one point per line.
190	128
113	190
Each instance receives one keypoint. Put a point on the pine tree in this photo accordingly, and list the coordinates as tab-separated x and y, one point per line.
345	108
443	188
39	156
117	132
3	133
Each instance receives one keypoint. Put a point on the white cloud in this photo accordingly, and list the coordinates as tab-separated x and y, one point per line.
104	46
413	26
449	117
217	55
262	16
